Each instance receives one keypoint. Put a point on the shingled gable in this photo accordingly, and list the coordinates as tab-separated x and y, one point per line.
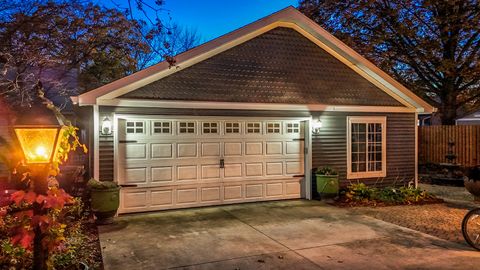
283	58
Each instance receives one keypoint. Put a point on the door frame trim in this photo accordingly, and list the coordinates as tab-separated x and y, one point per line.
306	189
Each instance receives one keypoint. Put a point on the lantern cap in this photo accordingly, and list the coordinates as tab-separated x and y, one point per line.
39	115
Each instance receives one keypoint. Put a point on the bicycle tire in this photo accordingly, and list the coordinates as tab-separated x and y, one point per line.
466	222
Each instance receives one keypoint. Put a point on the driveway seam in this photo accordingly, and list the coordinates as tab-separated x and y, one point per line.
268	236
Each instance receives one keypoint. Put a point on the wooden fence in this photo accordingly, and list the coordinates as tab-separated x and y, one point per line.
433	144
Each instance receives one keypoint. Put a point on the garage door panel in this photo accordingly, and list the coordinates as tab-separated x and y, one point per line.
233	170
174	170
254	169
253	148
254	190
162	197
211	149
274	148
135	199
274	189
294	167
294	147
133	151
210	171
187	195
135	176
162	150
232	149
211	194
292	188
187	172
234	192
186	150
162	174
274	168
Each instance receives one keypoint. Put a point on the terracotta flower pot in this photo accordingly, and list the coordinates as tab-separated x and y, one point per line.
473	187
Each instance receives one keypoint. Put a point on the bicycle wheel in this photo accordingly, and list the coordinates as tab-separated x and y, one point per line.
471	228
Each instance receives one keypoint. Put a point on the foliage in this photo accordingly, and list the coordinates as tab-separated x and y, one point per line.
326	171
70	46
359	192
473	174
431	46
95	184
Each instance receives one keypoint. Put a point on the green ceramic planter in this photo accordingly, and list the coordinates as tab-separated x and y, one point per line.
104	203
327	185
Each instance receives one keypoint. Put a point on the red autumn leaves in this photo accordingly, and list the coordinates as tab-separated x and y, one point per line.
21	212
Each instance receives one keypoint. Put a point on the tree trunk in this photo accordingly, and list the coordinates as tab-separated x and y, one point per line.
448	110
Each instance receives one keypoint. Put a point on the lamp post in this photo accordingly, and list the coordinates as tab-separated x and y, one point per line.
38	131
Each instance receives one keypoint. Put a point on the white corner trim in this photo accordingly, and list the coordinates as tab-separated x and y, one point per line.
308	158
366	119
416	149
289	17
96	143
141	103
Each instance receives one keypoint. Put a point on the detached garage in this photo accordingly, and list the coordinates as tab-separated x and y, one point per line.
246	117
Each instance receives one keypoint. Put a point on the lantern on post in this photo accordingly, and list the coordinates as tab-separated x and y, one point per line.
38	131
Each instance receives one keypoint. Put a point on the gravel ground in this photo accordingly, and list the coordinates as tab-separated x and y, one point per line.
442	220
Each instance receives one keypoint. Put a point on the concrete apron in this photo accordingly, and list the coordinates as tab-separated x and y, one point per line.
294	234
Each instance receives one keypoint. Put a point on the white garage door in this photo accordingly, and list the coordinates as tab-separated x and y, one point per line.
177	163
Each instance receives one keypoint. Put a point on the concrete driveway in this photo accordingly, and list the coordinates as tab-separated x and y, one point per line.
294	234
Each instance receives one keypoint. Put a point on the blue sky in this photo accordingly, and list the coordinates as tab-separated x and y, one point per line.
213	18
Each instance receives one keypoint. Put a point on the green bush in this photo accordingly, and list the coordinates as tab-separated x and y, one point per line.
95	184
326	171
360	192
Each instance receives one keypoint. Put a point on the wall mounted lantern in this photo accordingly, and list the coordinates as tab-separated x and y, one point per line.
106	126
316	126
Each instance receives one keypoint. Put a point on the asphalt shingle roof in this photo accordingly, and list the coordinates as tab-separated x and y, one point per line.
279	66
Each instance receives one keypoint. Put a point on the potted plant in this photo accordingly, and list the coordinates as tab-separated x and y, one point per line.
104	200
471	180
327	182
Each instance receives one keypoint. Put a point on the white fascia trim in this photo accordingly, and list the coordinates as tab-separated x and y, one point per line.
290	17
247	106
468	119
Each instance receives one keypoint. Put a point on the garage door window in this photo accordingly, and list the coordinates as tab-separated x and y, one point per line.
254	127
210	128
293	128
135	127
162	128
366	147
232	127
273	127
186	127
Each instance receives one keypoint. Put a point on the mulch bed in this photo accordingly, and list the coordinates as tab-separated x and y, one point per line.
343	201
91	253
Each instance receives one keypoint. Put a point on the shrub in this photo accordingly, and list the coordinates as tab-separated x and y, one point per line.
95	184
326	171
360	192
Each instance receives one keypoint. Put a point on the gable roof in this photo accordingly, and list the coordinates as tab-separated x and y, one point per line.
289	18
279	66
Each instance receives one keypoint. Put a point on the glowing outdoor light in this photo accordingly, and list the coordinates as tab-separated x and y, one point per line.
106	126
38	133
316	126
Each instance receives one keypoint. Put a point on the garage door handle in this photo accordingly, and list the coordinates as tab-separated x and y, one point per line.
123	141
299	175
222	163
128	186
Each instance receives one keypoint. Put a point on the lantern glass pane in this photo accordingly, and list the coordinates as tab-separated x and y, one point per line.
37	144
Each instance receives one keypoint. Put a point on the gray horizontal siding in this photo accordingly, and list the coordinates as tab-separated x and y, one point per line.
329	148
